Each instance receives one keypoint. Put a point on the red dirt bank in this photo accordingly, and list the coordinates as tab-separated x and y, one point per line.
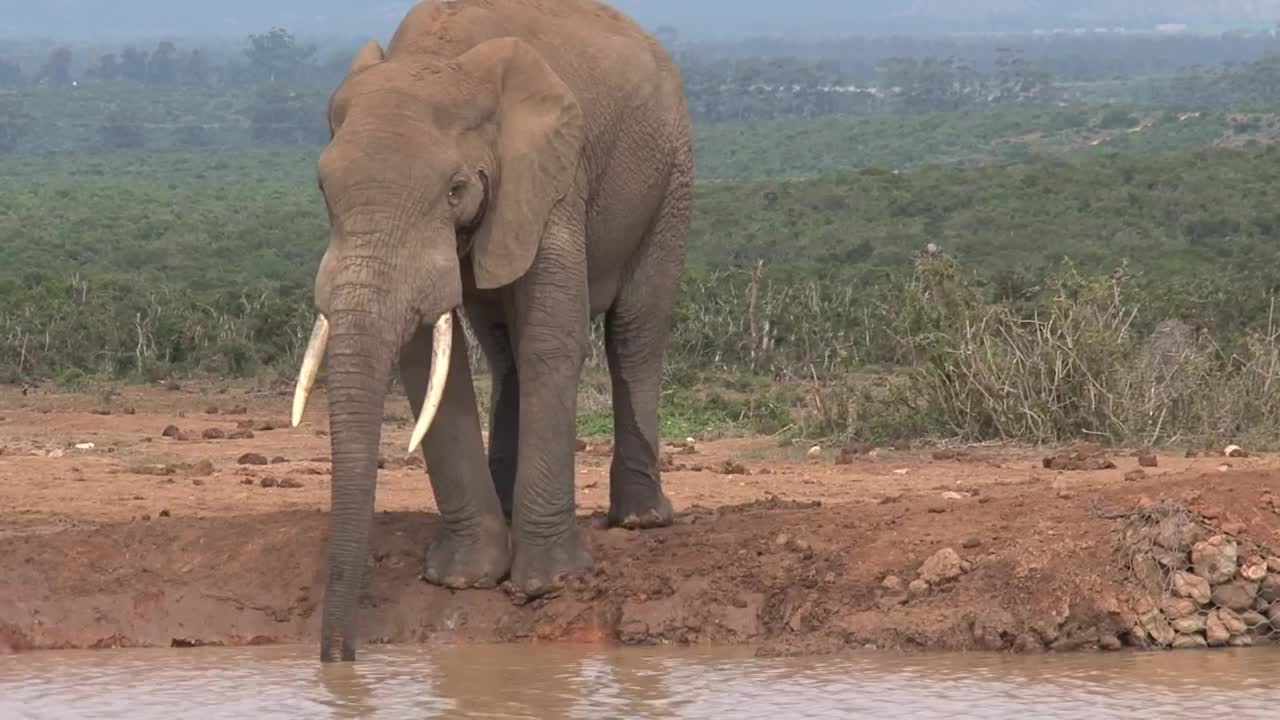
139	541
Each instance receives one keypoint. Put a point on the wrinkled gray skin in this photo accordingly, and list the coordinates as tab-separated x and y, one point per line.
529	161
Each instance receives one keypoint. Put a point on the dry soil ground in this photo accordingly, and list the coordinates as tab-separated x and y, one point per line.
147	540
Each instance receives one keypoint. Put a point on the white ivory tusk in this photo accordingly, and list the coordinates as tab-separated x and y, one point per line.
441	347
310	367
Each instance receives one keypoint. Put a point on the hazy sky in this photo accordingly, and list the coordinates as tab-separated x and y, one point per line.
79	18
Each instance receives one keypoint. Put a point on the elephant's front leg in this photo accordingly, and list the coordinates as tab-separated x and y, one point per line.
551	346
490	326
470	549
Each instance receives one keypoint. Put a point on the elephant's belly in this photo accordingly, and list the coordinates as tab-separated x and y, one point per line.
603	292
616	235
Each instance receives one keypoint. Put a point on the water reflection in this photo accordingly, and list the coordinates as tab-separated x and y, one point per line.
348	694
510	682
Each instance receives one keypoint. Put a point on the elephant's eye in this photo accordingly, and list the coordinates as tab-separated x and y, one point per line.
455	192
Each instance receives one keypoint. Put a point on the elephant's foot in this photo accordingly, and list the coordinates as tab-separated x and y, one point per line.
477	559
640	508
540	569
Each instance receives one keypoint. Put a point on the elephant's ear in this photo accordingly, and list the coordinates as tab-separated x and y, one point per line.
539	141
366	57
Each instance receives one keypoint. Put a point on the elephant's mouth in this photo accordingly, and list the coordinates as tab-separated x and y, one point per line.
441	350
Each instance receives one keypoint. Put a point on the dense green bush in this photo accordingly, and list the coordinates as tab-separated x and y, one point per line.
808	302
218	220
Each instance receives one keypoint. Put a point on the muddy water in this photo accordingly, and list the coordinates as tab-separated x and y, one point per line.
503	683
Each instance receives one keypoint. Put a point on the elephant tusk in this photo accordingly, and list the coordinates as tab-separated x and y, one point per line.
441	347
310	367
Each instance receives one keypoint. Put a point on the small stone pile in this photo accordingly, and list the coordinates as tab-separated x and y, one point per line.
943	567
1214	598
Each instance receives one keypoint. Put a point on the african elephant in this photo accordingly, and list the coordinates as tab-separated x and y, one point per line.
528	162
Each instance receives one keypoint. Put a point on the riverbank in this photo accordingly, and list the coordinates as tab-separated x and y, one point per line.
213	533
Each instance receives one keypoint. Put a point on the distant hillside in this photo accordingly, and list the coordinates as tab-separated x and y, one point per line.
1104	11
149	17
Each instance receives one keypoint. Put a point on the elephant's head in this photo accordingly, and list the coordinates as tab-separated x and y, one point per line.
432	166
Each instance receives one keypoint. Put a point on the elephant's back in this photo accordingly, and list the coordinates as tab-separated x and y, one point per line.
598	15
618	71
597	50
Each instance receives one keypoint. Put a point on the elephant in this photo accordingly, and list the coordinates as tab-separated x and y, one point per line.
526	165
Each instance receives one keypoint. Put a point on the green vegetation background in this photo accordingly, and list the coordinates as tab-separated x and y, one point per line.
153	227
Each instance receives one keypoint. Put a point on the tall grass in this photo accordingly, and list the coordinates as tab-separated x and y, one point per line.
1079	362
931	351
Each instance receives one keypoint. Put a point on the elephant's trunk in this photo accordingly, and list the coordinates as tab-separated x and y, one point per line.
380	279
359	372
360	339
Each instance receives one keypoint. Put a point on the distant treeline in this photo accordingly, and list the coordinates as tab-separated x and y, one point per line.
272	89
1069	57
272	56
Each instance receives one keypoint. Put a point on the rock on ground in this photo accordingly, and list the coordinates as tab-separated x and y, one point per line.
1186	642
1192	586
1158	627
1215	559
944	565
1238	595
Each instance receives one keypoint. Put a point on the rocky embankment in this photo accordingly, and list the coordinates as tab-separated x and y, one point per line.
1219	592
114	533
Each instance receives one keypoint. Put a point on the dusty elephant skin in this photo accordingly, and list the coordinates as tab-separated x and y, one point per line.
530	164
